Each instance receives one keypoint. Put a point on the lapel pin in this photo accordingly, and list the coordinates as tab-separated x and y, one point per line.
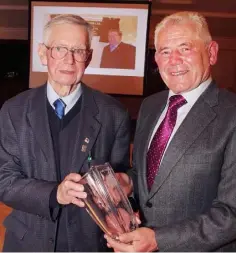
84	148
86	140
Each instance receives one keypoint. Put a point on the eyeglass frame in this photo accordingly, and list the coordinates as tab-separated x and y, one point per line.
72	50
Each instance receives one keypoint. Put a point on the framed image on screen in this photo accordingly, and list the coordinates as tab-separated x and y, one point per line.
110	71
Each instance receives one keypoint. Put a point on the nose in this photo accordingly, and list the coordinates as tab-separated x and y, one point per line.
69	58
175	58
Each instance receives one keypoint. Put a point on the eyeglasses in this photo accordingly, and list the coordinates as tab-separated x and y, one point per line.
59	52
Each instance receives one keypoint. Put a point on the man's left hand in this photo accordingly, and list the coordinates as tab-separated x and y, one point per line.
140	240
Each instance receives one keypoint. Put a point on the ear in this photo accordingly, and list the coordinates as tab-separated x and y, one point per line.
89	58
42	52
213	49
156	58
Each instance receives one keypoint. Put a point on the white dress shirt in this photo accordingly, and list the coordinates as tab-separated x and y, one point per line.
191	97
69	100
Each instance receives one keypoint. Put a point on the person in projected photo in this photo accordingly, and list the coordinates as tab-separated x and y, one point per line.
184	162
117	54
48	135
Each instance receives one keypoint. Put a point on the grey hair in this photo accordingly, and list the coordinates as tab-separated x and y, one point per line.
183	17
67	19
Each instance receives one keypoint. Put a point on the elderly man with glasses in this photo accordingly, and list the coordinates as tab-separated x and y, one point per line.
49	136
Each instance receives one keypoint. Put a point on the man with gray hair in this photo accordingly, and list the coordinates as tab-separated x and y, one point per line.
184	162
49	137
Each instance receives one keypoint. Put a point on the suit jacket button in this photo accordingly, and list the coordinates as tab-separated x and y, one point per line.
149	204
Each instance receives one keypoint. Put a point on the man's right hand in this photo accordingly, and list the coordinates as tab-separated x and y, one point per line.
126	182
70	191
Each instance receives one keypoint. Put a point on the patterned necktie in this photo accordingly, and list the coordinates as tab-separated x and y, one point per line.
59	108
161	137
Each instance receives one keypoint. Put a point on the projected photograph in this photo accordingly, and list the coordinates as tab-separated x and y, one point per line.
119	43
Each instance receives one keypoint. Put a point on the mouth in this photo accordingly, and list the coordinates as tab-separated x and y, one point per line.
67	72
179	73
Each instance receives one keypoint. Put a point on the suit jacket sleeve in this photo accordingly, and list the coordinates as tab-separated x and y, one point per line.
132	172
120	153
16	189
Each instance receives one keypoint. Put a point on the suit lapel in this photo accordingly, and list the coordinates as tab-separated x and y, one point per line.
87	132
38	120
200	116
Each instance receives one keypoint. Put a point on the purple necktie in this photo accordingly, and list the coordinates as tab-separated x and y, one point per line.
161	137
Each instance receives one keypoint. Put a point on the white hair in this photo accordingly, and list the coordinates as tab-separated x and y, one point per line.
183	17
67	19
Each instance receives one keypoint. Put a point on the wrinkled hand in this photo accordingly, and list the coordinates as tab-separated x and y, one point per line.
126	182
140	240
70	191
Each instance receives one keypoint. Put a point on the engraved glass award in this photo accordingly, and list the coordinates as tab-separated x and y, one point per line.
106	202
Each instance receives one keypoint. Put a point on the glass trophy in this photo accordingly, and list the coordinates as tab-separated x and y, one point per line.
106	202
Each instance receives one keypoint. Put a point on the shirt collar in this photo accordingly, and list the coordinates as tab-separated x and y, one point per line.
113	47
69	100
192	95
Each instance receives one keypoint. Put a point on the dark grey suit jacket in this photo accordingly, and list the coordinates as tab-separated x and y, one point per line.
192	204
28	172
